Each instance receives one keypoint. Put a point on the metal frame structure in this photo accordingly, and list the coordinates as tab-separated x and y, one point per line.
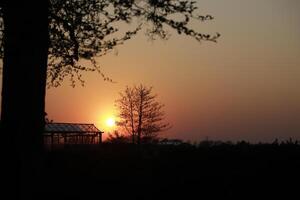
71	133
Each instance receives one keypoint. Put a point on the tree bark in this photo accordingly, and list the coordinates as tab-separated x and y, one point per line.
26	44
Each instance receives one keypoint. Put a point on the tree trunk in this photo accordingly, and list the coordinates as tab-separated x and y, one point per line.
139	132
131	121
23	89
132	138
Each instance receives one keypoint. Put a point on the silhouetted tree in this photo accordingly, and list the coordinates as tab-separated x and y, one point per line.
49	38
140	115
24	44
40	39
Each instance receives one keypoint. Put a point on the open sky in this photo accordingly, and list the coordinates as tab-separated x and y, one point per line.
246	86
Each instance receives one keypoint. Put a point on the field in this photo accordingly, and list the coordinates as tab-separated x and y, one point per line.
172	172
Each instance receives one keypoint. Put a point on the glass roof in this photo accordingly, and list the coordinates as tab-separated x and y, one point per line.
70	128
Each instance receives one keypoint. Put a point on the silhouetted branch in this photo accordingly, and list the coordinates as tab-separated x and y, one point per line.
86	29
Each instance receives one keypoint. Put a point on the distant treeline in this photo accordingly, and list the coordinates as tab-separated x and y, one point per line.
121	139
209	169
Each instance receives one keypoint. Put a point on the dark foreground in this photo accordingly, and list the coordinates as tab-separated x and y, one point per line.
172	172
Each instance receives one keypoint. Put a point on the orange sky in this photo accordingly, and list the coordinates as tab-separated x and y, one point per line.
244	87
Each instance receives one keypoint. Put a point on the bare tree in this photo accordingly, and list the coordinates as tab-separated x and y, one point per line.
140	115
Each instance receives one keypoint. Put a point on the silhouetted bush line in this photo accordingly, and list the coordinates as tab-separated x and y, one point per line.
172	171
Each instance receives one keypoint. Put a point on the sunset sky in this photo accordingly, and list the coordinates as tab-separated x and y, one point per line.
246	86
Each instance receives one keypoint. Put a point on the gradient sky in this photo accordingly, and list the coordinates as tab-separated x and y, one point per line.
246	86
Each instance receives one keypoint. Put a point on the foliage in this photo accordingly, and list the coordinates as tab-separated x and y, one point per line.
86	29
140	115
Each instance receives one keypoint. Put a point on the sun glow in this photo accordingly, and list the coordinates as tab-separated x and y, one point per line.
110	122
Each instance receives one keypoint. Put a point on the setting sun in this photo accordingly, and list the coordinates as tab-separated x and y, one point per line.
110	122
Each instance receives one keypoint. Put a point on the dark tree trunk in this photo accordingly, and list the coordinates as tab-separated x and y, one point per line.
132	138
139	135
23	90
139	130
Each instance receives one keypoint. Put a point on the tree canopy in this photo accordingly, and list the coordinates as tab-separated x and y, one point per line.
86	29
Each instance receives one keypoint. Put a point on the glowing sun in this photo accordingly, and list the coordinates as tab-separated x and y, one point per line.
110	122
